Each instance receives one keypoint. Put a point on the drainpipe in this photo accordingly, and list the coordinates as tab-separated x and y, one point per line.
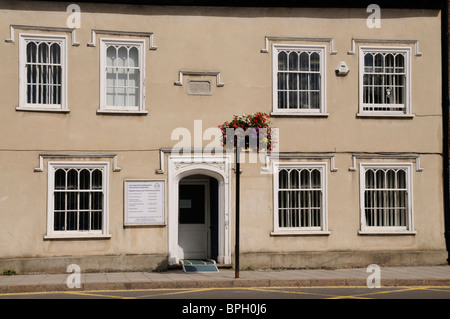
445	117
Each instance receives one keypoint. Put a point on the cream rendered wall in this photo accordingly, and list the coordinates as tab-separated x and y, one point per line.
228	40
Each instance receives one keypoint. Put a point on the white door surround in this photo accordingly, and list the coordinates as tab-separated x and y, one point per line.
218	167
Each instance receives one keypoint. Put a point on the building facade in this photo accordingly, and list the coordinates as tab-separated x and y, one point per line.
112	157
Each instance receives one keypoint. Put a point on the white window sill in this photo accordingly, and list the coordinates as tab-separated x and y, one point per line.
300	233
385	115
122	112
76	236
294	114
42	109
386	232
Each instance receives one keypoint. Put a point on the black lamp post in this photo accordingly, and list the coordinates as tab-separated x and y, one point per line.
238	173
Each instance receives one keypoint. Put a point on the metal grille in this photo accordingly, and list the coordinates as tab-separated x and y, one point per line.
384	82
386	198
78	199
44	73
300	198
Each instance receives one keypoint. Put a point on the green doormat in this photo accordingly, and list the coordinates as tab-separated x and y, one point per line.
199	265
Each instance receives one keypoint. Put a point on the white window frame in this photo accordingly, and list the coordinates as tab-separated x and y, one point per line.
321	49
409	228
104	108
407	105
323	228
52	168
23	104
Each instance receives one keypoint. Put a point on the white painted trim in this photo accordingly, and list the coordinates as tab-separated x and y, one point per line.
323	230
105	109
386	156
94	33
408	77
268	168
41	28
298	39
218	167
409	229
323	82
40	168
104	233
23	105
385	41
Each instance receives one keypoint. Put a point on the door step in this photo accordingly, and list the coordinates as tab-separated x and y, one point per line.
199	265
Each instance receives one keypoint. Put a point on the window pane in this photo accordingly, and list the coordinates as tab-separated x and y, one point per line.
60	179
304	61
72	179
293	85
111	56
282	100
72	221
282	81
97	179
314	82
96	220
59	219
55	53
31	52
133	97
315	62
293	179
97	200
303	81
133	60
84	221
293	61
59	201
315	179
84	200
293	100
399	63
379	63
283	179
43	52
122	56
85	179
282	61
389	61
368	63
315	100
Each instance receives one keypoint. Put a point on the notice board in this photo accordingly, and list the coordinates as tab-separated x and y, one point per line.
144	202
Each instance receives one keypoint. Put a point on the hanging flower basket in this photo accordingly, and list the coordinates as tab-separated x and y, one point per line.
251	132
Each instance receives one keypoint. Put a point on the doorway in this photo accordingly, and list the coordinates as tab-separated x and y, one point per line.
198	217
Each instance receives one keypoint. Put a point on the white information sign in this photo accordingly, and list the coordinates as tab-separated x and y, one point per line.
144	202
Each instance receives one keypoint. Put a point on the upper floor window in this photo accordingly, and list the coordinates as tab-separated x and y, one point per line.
298	80
384	81
43	69
122	76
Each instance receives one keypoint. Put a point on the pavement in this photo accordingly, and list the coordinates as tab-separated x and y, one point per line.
176	278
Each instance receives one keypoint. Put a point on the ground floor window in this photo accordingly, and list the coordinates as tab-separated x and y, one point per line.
300	197
77	199
386	198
